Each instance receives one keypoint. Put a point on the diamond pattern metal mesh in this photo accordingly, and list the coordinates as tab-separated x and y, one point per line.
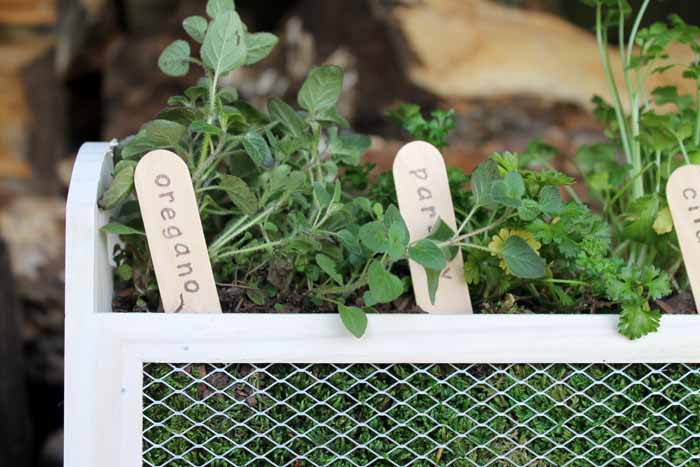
421	415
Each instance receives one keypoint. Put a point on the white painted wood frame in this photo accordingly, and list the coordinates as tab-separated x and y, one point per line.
105	351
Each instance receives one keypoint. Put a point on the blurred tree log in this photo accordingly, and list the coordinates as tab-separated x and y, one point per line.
15	432
28	12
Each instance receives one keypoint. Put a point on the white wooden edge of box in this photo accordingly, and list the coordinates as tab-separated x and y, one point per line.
105	351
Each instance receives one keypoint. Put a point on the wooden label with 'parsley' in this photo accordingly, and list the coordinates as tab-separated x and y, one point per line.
683	194
175	237
424	197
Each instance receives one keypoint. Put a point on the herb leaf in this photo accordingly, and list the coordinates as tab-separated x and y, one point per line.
321	89
224	45
521	259
354	319
175	59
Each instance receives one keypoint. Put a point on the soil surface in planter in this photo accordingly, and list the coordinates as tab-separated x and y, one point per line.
235	300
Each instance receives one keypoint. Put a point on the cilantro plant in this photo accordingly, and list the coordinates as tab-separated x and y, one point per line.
653	144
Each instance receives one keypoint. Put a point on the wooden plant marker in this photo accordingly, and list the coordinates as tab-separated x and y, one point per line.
683	194
175	236
424	196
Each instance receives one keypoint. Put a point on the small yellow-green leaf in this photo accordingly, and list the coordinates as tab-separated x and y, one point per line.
664	222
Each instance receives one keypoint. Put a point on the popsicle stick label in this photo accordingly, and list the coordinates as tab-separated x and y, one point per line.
683	194
174	232
424	196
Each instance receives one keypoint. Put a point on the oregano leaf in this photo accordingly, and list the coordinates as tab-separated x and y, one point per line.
218	7
122	185
259	46
329	266
258	149
321	89
224	45
196	27
120	229
175	59
240	193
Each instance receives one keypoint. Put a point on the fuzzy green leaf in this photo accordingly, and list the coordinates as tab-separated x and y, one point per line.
258	150
354	319
347	149
321	89
175	59
522	260
120	229
384	286
259	46
224	45
122	185
218	7
428	254
240	193
329	266
282	112
373	235
163	133
638	320
196	27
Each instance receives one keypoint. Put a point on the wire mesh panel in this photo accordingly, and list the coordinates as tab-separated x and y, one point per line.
421	415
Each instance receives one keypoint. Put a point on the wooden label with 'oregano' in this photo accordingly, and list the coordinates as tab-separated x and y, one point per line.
683	193
424	198
175	237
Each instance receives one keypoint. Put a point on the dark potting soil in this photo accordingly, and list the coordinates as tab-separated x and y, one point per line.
236	300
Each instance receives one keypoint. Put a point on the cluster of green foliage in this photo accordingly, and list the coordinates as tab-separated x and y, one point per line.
288	210
653	143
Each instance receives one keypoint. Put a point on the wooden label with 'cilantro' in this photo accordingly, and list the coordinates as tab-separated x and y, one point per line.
683	194
175	237
424	197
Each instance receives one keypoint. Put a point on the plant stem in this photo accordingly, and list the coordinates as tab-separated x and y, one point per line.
476	232
605	59
475	247
251	249
237	229
565	281
467	219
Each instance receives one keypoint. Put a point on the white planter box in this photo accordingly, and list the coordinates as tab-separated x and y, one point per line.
106	353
